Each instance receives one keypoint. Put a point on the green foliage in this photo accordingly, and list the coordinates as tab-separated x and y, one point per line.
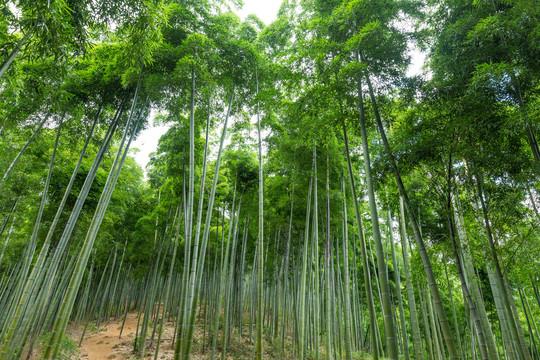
465	131
68	348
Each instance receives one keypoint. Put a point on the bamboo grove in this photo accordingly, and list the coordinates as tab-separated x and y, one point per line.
311	198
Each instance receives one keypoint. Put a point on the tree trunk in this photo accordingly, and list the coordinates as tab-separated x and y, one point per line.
260	240
346	281
432	283
198	264
5	66
327	271
363	249
471	279
397	280
303	279
415	327
500	282
23	149
389	326
69	297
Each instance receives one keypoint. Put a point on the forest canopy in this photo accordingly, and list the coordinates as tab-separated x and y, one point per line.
310	199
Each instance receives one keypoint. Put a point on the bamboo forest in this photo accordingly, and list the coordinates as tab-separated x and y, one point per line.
354	179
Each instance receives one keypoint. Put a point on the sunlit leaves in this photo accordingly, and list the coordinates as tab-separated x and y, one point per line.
143	35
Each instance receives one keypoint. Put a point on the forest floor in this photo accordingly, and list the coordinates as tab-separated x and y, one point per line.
105	343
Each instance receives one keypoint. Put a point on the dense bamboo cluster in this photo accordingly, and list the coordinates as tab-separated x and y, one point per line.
308	201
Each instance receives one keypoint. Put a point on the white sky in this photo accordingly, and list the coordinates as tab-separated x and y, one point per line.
147	141
266	10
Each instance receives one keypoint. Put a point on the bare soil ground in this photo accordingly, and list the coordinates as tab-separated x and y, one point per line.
105	343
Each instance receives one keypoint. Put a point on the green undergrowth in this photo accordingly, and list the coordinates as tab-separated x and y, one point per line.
68	347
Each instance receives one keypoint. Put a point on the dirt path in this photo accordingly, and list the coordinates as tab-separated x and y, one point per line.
106	344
